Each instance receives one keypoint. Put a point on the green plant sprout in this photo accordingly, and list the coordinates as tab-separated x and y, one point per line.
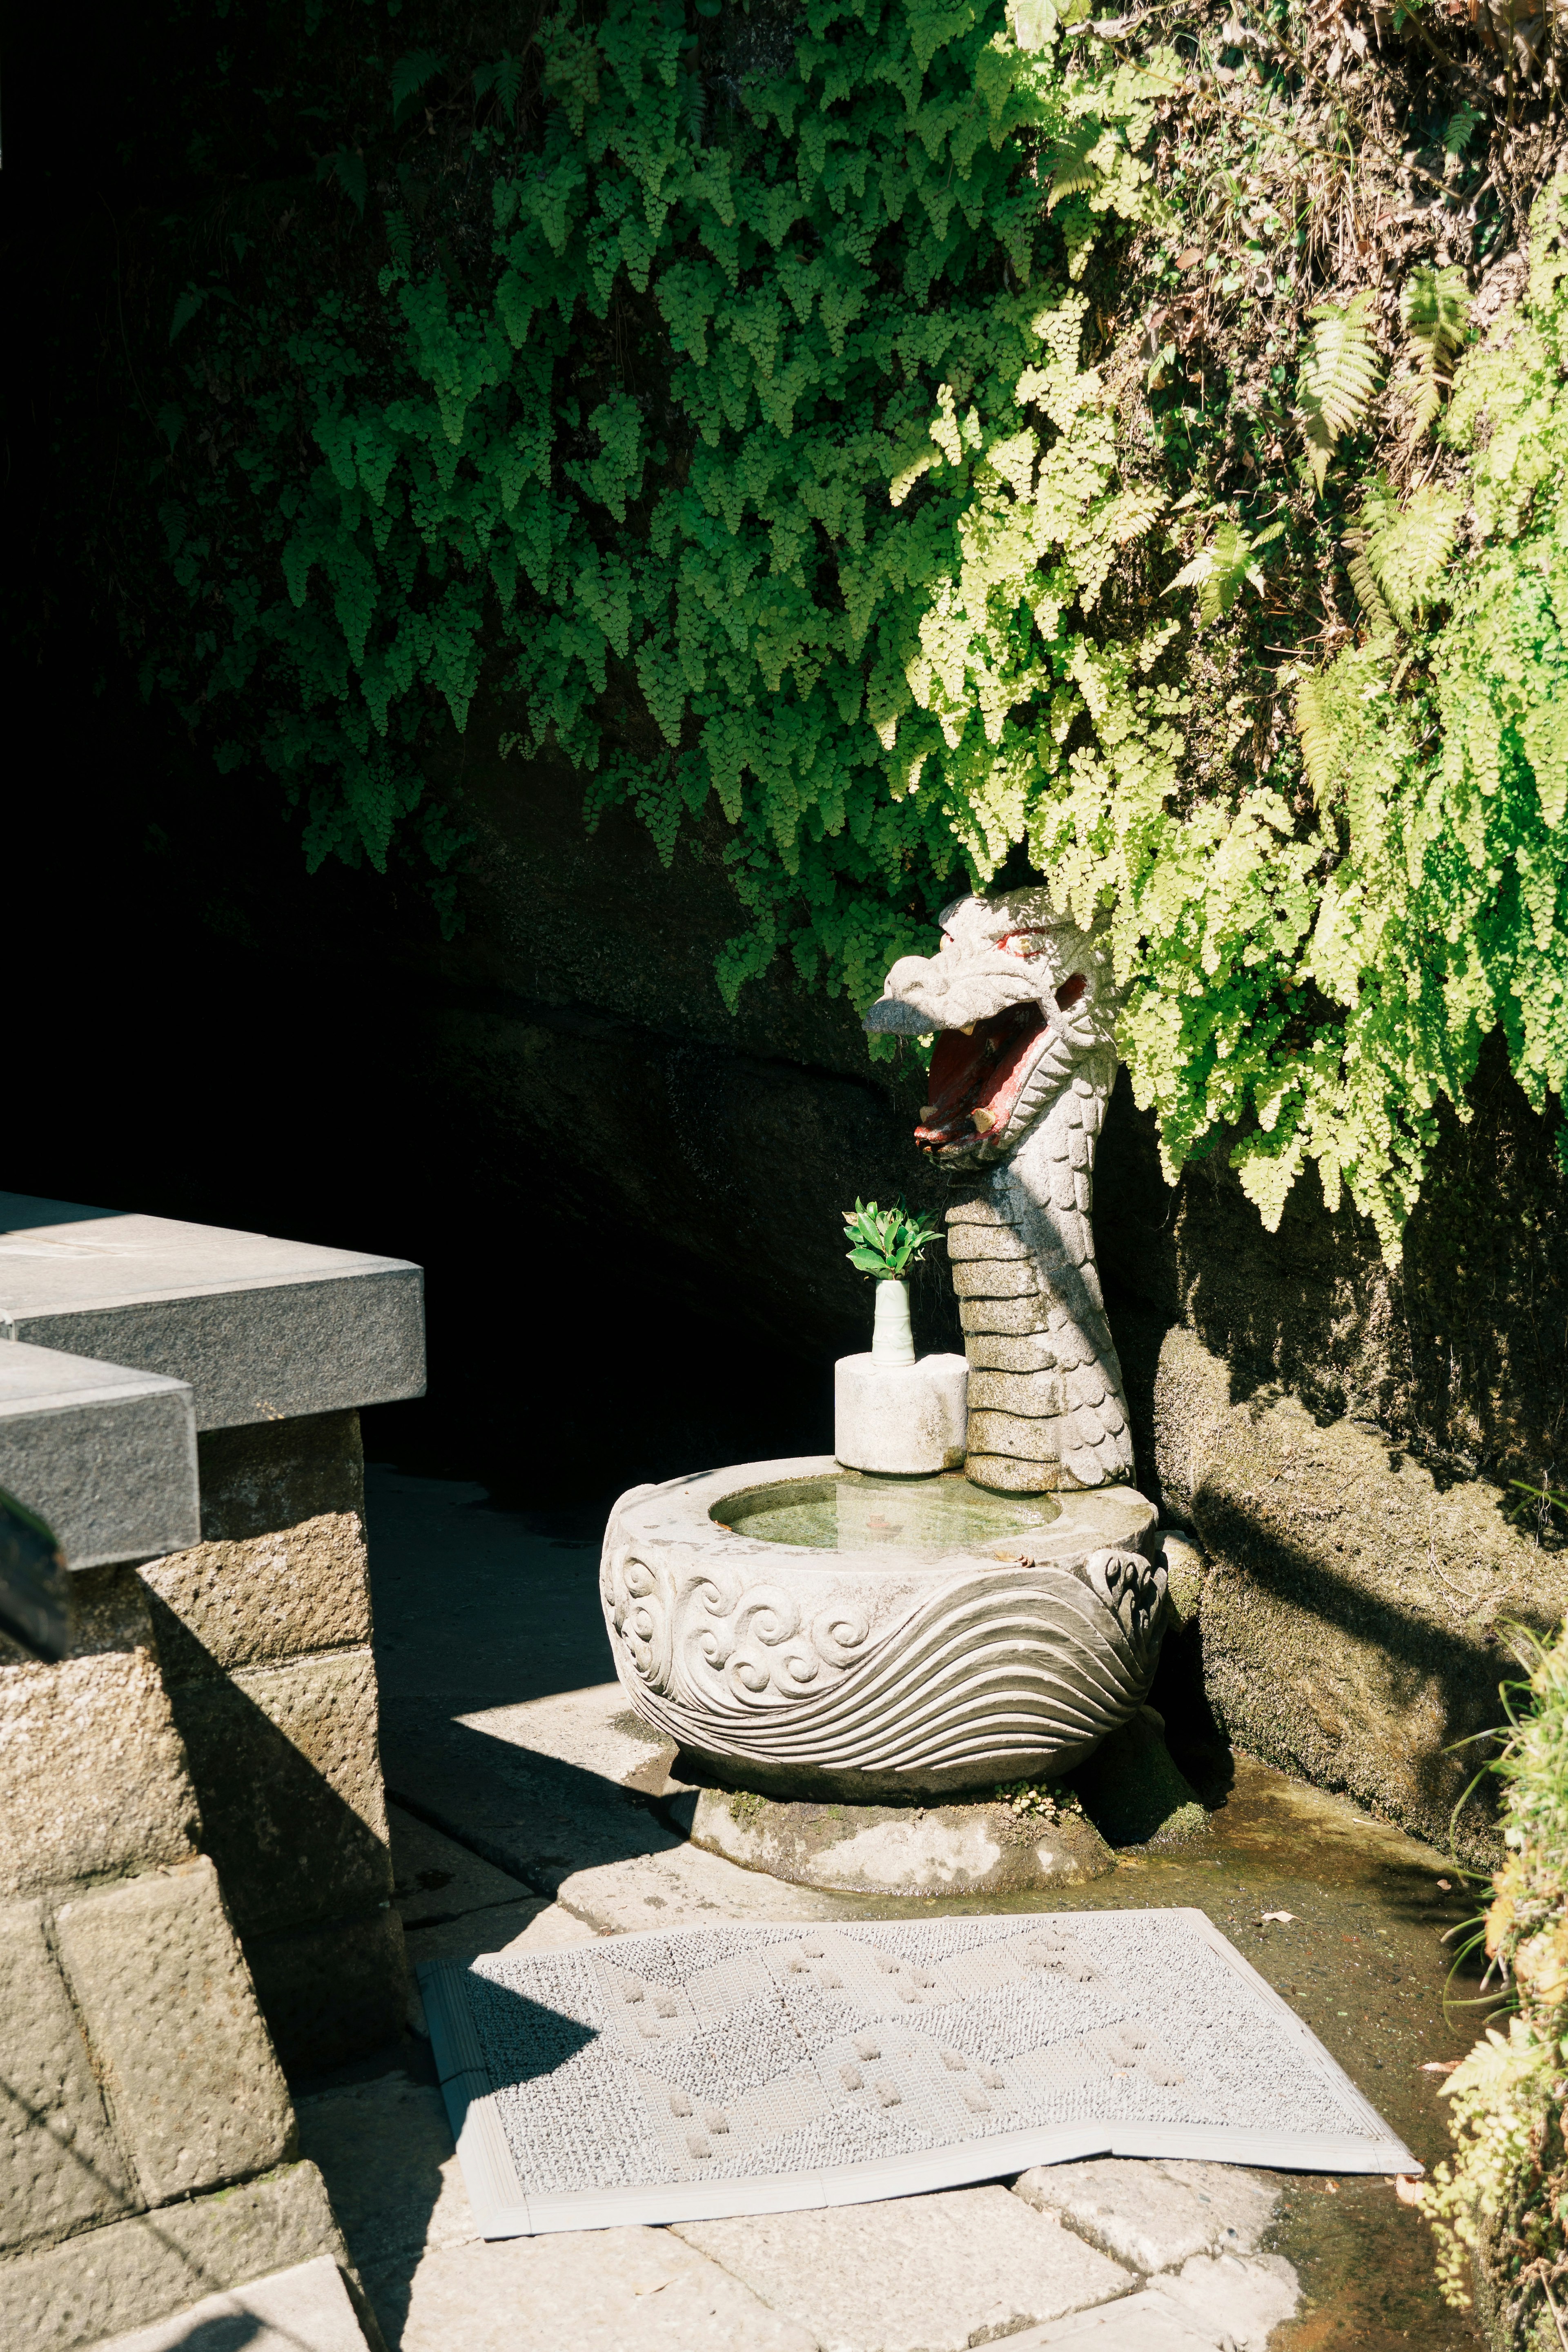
887	1242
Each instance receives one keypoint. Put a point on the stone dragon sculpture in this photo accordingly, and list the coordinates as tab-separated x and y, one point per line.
1024	1003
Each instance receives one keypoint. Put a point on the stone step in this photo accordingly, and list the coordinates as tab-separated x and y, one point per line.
306	2309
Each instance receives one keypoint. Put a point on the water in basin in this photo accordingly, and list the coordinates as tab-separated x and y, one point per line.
852	1511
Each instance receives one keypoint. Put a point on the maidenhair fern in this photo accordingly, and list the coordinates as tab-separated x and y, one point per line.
1338	378
1441	762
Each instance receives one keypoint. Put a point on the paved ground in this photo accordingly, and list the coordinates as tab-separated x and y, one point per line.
532	1809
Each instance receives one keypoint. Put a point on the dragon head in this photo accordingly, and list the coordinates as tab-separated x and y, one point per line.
1021	995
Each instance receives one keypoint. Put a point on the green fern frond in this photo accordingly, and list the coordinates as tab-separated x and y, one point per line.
1434	306
1338	377
1462	125
1072	174
1320	747
1409	550
1219	570
1364	580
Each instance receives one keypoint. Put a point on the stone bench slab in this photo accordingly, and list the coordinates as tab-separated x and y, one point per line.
106	1455
263	1330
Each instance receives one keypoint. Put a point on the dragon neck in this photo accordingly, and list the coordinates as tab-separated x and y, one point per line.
1047	1405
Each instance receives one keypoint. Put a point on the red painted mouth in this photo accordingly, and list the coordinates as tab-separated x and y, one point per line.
981	1071
984	1071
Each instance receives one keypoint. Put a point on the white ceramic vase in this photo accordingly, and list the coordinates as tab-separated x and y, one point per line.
892	1342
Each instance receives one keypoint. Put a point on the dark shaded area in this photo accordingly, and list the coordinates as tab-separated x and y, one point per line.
1462	1352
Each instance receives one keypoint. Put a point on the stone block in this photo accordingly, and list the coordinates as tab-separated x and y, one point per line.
435	1879
151	2265
1241	2303
1148	2322
257	1598
1152	2215
1354	1616
966	1243
307	2309
60	2168
1010	1434
171	2015
1013	1317
1022	1392
958	1849
900	1419
289	1773
982	1210
1007	1475
994	1351
932	2273
262	1330
992	1278
1185	1569
91	1765
1192	1401
275	1473
105	1456
332	1993
1133	1789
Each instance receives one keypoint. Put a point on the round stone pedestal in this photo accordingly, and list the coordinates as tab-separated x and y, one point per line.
973	1849
1130	1792
901	1419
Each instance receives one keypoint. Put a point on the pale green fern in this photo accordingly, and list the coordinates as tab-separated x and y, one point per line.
1338	378
1434	306
1221	570
1399	554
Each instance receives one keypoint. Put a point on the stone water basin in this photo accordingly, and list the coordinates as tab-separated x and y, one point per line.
808	1631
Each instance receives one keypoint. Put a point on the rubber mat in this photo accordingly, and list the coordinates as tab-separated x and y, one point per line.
708	2071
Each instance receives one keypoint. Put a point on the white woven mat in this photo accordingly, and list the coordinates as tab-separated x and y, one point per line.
725	2069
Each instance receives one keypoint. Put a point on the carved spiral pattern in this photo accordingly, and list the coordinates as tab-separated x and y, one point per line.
707	1634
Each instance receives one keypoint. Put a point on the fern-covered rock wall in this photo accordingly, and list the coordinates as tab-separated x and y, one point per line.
677	492
1340	1434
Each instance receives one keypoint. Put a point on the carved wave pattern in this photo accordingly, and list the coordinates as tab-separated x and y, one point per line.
997	1663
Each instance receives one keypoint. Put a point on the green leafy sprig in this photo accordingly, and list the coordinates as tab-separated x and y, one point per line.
887	1242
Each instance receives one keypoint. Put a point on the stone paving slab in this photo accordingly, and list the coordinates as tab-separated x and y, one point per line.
916	2274
306	2309
1149	2322
608	2291
1154	2215
435	1879
683	1885
1243	2301
385	2152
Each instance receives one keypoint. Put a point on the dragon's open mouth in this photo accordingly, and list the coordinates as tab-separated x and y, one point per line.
978	1073
975	1077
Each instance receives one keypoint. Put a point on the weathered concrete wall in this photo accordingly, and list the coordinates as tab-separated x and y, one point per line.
264	1630
1357	1614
